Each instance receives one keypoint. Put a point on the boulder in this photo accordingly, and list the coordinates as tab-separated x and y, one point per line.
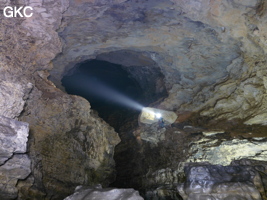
99	193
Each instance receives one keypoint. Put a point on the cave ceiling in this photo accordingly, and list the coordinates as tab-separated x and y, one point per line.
210	52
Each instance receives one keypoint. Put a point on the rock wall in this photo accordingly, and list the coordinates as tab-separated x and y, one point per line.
212	55
223	152
68	145
14	162
67	139
217	182
157	159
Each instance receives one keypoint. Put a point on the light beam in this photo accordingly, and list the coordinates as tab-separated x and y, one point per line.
97	88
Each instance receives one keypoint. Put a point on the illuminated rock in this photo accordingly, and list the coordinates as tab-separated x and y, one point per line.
99	193
219	152
152	115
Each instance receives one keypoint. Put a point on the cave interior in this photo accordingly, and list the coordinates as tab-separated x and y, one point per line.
77	73
113	91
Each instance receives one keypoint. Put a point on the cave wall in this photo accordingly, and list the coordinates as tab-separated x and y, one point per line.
14	161
212	57
68	145
211	53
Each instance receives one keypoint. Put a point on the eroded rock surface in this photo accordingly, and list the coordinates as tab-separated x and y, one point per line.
161	170
15	164
212	58
17	168
13	138
219	182
210	62
221	152
70	144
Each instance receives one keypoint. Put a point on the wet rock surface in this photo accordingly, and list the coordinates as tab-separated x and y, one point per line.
214	69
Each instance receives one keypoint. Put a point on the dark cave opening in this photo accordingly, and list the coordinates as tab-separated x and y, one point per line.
100	82
104	85
116	92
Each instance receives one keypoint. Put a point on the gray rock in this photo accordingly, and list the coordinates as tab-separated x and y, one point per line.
12	98
13	138
18	167
220	73
220	183
70	144
14	164
98	193
220	152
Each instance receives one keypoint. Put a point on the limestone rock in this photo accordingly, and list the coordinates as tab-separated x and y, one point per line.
219	182
219	152
152	115
210	62
258	119
155	136
210	133
12	98
27	46
18	167
13	138
99	193
162	193
69	145
14	163
67	138
212	55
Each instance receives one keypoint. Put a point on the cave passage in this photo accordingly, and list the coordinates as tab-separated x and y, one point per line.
107	86
109	89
